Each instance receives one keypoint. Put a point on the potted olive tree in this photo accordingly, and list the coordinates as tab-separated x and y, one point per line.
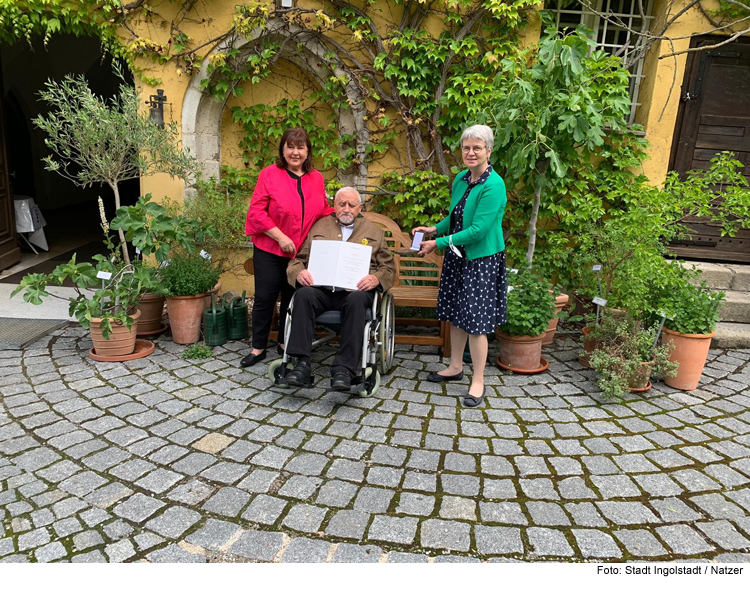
530	307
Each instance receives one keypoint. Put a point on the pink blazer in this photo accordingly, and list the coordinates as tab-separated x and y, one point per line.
277	202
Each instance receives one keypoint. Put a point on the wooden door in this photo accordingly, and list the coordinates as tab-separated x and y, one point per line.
10	254
714	116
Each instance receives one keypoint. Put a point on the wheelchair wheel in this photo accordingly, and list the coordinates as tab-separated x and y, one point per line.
372	382
274	372
387	334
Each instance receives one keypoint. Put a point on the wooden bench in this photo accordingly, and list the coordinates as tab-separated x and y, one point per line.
416	286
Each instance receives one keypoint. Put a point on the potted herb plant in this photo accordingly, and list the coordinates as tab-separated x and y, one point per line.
692	313
530	307
628	355
188	280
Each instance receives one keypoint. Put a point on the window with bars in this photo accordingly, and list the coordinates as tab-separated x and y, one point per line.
614	34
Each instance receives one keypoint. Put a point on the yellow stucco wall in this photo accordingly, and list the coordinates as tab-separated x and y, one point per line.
659	95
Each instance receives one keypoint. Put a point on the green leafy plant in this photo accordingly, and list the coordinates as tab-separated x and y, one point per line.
627	356
690	308
417	199
530	305
188	275
113	299
153	230
553	105
197	351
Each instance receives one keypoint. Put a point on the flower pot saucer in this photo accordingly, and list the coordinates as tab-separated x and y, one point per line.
142	349
152	333
638	390
544	364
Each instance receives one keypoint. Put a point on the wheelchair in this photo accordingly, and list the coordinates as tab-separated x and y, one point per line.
379	338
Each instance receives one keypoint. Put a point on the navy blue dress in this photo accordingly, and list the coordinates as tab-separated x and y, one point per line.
472	293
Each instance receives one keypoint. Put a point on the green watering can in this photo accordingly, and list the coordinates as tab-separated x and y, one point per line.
214	324
237	318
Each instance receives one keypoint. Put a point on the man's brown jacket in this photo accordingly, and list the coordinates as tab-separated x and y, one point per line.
365	232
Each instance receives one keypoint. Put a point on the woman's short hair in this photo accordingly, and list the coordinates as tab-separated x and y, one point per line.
479	132
296	136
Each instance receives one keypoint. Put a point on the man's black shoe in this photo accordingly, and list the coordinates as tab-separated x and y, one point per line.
300	375
341	380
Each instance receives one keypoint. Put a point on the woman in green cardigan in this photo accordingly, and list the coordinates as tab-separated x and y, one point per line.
472	285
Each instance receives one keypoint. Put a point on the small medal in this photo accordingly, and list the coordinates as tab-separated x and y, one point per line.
364	241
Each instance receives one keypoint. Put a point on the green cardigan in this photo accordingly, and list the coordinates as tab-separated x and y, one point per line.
482	235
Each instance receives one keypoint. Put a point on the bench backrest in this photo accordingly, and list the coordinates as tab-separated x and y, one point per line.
412	269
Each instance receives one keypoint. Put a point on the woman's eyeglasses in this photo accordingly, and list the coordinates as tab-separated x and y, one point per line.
475	149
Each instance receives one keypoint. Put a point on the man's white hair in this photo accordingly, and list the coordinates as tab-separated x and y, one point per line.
350	190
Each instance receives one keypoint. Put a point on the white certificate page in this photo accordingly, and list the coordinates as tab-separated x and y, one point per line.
338	264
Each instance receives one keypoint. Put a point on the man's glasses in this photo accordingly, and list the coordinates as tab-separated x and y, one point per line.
475	149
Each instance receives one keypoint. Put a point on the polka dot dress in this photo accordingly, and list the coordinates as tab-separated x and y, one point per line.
472	293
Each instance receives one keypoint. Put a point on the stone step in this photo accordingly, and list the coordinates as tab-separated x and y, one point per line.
736	307
731	335
724	276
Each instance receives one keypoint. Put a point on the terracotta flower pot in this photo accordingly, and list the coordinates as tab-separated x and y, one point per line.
691	352
152	309
522	352
560	302
639	382
185	315
588	346
120	342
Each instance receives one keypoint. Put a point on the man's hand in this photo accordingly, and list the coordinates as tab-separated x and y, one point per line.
367	283
427	246
305	278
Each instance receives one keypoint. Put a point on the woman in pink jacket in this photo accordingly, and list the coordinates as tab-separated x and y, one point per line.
288	199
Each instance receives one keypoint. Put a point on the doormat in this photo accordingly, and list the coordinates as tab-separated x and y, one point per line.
16	333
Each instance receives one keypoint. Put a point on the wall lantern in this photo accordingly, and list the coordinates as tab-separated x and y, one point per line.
156	107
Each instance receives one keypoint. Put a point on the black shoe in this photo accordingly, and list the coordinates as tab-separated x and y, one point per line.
300	375
341	380
470	401
280	350
252	359
436	377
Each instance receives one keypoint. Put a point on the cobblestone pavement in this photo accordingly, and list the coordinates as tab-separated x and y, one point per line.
170	460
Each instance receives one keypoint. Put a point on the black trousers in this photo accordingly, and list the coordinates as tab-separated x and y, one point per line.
270	280
310	302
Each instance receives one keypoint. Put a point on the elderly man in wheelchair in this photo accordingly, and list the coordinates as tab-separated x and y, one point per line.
359	312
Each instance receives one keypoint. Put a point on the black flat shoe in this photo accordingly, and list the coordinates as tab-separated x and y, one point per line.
436	377
341	381
470	401
252	359
300	376
280	350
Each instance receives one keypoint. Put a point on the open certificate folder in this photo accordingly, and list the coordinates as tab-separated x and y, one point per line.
338	264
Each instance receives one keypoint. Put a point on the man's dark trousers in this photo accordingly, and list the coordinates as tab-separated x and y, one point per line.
311	302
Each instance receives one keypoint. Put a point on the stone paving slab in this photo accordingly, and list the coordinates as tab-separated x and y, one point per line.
167	460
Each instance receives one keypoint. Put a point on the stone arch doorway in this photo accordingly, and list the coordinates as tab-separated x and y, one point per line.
202	113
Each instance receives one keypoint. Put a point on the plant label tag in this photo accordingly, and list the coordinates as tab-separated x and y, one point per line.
205	255
596	268
664	314
599	301
104	275
513	271
137	250
510	288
